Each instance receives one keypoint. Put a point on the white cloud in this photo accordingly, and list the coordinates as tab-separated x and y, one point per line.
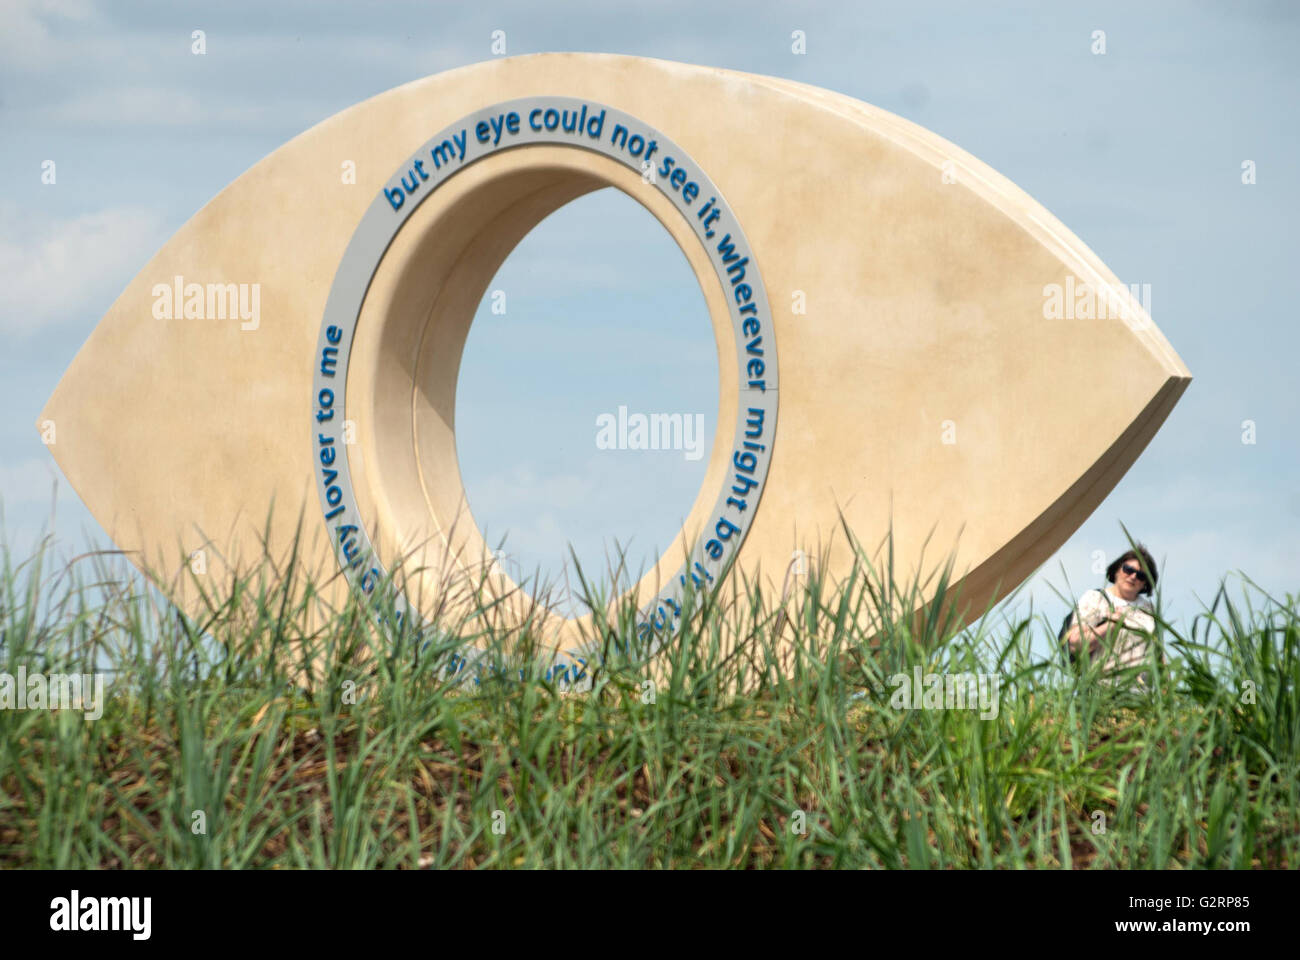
542	509
521	486
141	107
127	107
25	40
73	264
143	75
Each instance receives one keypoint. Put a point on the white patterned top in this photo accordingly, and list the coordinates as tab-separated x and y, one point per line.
1130	645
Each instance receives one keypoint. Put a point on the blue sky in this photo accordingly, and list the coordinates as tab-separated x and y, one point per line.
1138	151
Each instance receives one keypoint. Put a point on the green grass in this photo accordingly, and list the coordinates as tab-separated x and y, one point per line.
383	762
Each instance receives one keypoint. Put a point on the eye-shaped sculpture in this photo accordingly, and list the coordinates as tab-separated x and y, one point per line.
298	340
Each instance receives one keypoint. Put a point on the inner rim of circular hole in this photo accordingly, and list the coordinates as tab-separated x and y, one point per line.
587	399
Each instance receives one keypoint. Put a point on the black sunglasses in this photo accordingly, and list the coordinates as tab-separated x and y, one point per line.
1134	572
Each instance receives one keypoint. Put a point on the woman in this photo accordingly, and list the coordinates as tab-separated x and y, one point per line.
1118	620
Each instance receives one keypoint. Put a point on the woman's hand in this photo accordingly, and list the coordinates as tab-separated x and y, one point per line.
1096	633
1072	639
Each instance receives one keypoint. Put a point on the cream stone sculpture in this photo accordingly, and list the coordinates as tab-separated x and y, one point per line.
903	337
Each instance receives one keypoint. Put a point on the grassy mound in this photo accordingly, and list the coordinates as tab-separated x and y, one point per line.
211	752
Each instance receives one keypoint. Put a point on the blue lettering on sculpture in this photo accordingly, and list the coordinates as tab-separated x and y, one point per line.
557	120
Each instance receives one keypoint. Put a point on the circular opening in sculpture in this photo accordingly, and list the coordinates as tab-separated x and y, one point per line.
587	400
406	363
393	332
